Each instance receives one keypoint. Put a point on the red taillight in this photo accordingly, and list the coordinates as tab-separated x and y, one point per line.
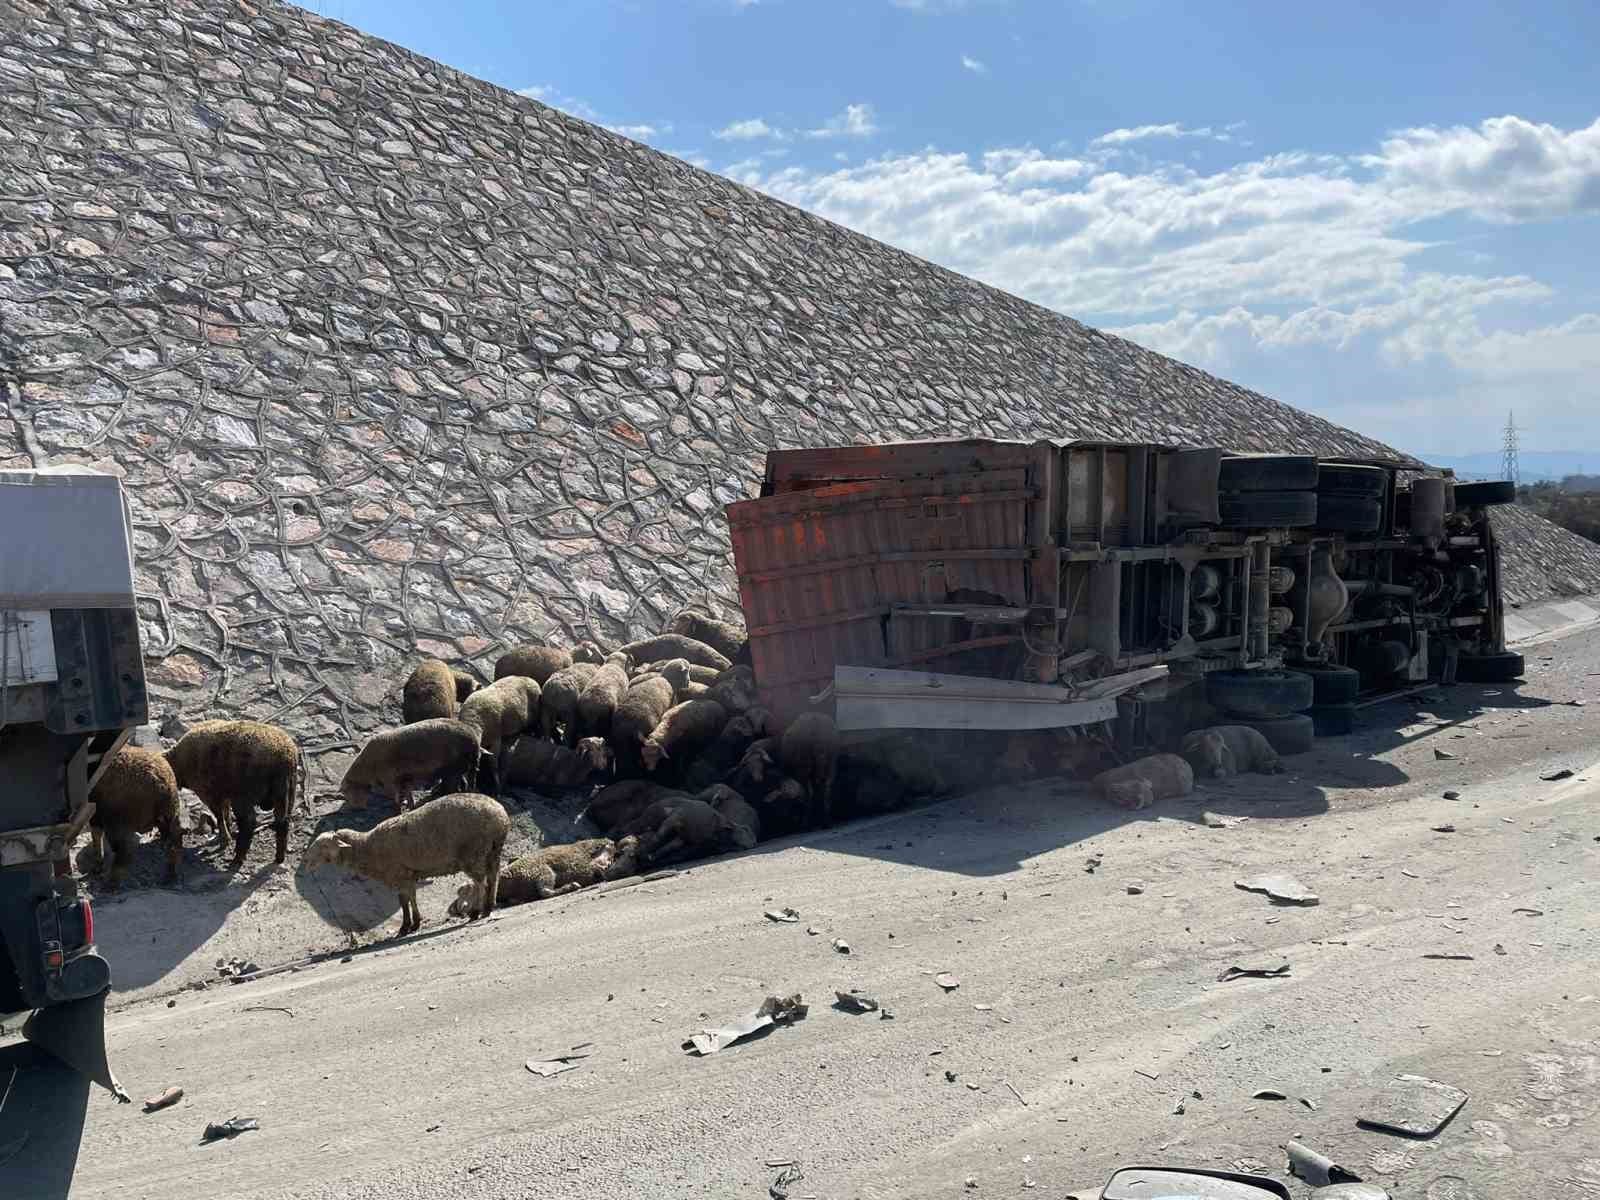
53	960
87	914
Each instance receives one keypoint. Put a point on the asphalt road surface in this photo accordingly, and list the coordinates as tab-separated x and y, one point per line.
1089	1008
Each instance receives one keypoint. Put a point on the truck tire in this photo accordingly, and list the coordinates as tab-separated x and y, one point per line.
1333	720
1267	473
1475	495
1287	735
1268	510
1345	479
1332	685
1259	694
1348	514
1500	667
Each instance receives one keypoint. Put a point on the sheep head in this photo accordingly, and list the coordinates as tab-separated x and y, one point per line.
652	753
331	847
734	836
588	652
625	858
595	753
720	794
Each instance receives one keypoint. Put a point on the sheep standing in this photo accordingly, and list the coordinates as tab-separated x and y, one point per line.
137	792
501	711
725	637
396	761
636	717
675	645
558	707
534	661
429	692
242	765
1142	782
465	685
598	701
534	762
456	833
683	732
809	754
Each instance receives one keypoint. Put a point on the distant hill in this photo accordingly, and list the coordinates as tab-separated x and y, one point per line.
1535	464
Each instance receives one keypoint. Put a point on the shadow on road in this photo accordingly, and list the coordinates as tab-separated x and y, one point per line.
41	1124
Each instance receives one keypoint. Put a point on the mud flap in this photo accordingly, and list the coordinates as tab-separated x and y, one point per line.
75	1033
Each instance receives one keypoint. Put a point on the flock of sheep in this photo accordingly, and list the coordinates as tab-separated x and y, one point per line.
686	760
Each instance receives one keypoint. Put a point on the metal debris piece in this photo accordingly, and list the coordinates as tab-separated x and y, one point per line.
165	1100
1136	889
947	981
791	1174
1276	972
774	1010
854	1002
1316	1169
1309	1103
1280	888
1268	1094
814	931
1554	776
1450	957
983	1008
1177	1109
1442	754
1532	912
1445	828
1146	1074
1452	795
842	946
1090	863
1015	1093
1499	949
1221	820
1409	874
232	1127
547	1067
1412	1105
785	916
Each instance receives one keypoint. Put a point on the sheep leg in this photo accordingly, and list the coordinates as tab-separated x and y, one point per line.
408	907
280	819
490	894
244	812
102	850
122	849
219	814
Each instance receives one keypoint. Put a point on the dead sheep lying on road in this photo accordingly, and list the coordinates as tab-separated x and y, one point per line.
675	645
616	807
636	717
397	761
598	701
727	638
242	766
1141	783
809	754
136	793
558	706
535	763
456	833
502	711
1224	750
689	828
430	691
550	872
682	733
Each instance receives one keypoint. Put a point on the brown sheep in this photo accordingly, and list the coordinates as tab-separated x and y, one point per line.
460	832
546	873
430	692
809	753
534	762
396	761
735	689
534	661
465	685
675	645
636	717
598	701
136	793
1142	782
558	710
725	754
1225	750
502	711
691	829
683	731
735	807
725	637
618	806
242	765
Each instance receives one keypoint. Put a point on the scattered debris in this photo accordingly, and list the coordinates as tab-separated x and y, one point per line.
786	916
1221	820
947	981
1146	1074
1309	1103
1276	972
1316	1169
791	1174
1177	1109
774	1010
1409	874
232	1127
1450	957
1445	828
1268	1094
842	946
1015	1093
570	1061
814	931
1532	912
1281	889
1136	889
983	1008
267	1008
949	1076
1412	1105
1442	754
1554	776
854	1002
236	968
165	1100
1090	863
1452	795
1499	949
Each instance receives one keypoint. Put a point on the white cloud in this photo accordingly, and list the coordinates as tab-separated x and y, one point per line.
855	121
746	130
641	133
973	65
1139	133
1283	259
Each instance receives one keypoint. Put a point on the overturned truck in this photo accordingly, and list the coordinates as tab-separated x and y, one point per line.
983	584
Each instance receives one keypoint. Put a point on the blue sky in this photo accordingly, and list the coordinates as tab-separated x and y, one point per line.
1388	214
